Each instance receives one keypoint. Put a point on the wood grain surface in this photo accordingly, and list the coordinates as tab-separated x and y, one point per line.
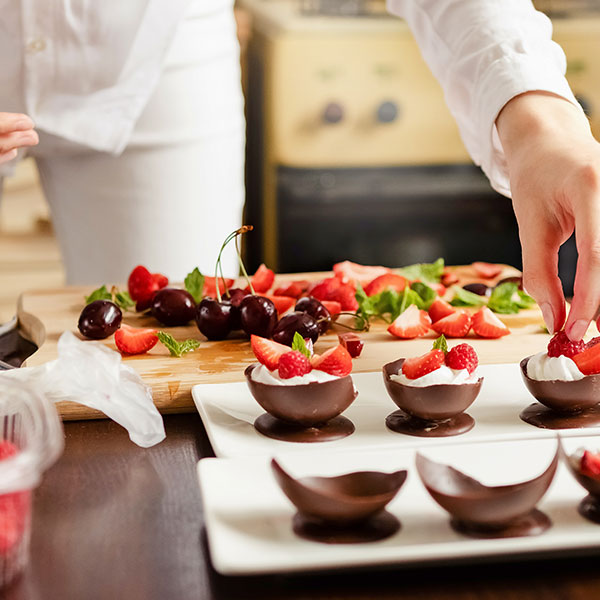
113	521
45	315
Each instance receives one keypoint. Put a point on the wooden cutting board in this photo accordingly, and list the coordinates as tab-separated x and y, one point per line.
45	315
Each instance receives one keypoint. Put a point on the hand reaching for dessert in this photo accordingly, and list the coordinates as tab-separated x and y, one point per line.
554	168
16	131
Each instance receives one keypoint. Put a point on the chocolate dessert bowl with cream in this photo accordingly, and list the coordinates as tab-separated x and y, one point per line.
303	394
482	511
585	467
433	391
565	381
345	509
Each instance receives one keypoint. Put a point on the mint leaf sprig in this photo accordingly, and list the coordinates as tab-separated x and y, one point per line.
299	344
426	272
174	347
121	299
441	344
508	299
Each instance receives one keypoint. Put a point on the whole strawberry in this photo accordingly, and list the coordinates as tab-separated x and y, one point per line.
293	364
462	356
561	345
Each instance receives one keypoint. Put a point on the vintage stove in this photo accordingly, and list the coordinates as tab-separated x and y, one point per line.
352	152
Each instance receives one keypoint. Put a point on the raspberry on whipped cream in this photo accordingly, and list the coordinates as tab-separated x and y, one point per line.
542	367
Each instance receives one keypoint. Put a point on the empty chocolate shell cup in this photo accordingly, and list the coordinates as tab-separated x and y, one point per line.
566	404
484	511
303	413
431	411
344	509
589	507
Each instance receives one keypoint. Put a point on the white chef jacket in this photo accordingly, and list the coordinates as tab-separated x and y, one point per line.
483	53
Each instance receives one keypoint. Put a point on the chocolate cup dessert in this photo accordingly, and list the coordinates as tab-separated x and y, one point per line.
589	507
303	413
566	404
344	509
484	511
432	411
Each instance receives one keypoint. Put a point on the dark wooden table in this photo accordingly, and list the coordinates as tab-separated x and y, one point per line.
113	521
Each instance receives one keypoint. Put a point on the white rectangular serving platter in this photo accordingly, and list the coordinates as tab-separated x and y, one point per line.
228	411
249	520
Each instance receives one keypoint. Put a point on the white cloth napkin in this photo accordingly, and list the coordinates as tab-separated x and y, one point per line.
93	375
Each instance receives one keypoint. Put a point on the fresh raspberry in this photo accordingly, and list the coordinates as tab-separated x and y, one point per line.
293	364
561	345
462	356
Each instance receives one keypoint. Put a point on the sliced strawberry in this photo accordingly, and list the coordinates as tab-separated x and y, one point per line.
487	325
210	286
352	343
455	325
439	309
325	289
282	303
263	279
411	323
334	308
588	361
267	352
335	361
590	464
413	368
384	282
346	296
140	283
7	449
440	289
449	277
133	340
350	272
160	280
293	290
487	270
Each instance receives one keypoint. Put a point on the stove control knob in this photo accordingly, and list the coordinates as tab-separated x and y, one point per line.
387	112
333	113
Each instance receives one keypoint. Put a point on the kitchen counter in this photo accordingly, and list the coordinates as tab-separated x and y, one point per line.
112	520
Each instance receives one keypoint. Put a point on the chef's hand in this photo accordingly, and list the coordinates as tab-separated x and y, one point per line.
16	131
554	167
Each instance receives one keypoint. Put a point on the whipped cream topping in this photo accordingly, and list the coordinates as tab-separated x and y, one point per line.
542	367
442	375
261	374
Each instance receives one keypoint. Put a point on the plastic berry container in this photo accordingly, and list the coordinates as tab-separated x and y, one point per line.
31	439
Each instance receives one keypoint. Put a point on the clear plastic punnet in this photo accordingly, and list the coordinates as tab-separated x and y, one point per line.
31	439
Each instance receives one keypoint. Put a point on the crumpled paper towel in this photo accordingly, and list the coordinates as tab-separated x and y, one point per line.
93	375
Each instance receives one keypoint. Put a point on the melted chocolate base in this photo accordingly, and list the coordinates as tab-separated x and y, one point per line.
533	523
589	508
378	527
543	417
400	422
334	429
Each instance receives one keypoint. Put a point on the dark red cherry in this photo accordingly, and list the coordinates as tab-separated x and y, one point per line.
214	318
258	316
515	279
315	309
478	288
99	319
172	306
293	322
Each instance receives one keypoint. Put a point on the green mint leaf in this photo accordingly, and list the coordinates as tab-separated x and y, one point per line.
427	294
194	284
502	299
299	344
123	300
100	294
464	297
174	347
366	308
441	344
426	272
524	300
387	302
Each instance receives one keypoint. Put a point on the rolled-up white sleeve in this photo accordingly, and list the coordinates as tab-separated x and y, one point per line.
483	53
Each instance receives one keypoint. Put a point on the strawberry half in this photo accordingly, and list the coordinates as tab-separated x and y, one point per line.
449	277
455	325
350	272
439	309
335	361
346	296
590	464
142	284
263	279
384	282
413	368
210	286
133	340
487	325
487	270
325	289
411	323
293	290
14	514
267	352
588	361
7	449
334	308
440	289
282	303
